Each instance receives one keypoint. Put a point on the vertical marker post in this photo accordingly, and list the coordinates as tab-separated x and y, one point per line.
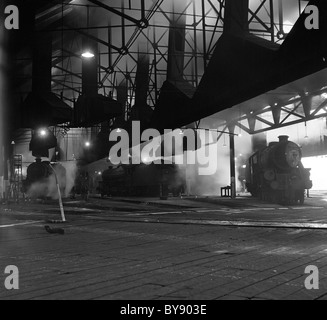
59	195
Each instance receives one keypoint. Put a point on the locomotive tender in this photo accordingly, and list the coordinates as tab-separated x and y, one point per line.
142	180
276	173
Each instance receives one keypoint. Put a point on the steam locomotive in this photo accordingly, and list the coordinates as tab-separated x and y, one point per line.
276	173
142	180
41	181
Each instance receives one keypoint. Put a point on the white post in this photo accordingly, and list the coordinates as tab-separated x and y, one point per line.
59	194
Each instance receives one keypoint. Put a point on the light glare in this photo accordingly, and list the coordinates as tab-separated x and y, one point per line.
88	54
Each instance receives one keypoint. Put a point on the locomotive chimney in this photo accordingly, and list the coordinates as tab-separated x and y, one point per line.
283	138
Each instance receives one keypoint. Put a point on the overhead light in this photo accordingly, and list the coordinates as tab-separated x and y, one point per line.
306	131
87	144
224	145
88	54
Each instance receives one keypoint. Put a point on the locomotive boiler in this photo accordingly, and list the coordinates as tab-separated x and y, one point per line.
40	180
142	180
276	173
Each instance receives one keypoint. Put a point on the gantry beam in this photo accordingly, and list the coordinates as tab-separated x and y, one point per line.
281	115
205	23
122	14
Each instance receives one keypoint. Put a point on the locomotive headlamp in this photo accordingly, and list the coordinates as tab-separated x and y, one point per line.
43	132
293	156
146	160
42	140
87	144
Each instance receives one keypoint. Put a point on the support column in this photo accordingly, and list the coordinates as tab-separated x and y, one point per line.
4	126
236	17
176	46
232	161
90	69
204	35
90	72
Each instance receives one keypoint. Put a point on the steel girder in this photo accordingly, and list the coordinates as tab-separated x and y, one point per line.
118	55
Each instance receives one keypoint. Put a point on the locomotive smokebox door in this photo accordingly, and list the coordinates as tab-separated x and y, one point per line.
276	173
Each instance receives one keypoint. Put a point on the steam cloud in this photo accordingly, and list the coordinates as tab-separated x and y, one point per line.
48	187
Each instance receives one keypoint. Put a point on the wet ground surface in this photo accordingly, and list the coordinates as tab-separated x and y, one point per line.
180	248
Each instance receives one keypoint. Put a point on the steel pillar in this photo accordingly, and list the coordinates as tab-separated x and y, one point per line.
176	44
3	108
231	129
236	17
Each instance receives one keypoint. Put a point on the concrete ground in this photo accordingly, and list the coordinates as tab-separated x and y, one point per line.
197	248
